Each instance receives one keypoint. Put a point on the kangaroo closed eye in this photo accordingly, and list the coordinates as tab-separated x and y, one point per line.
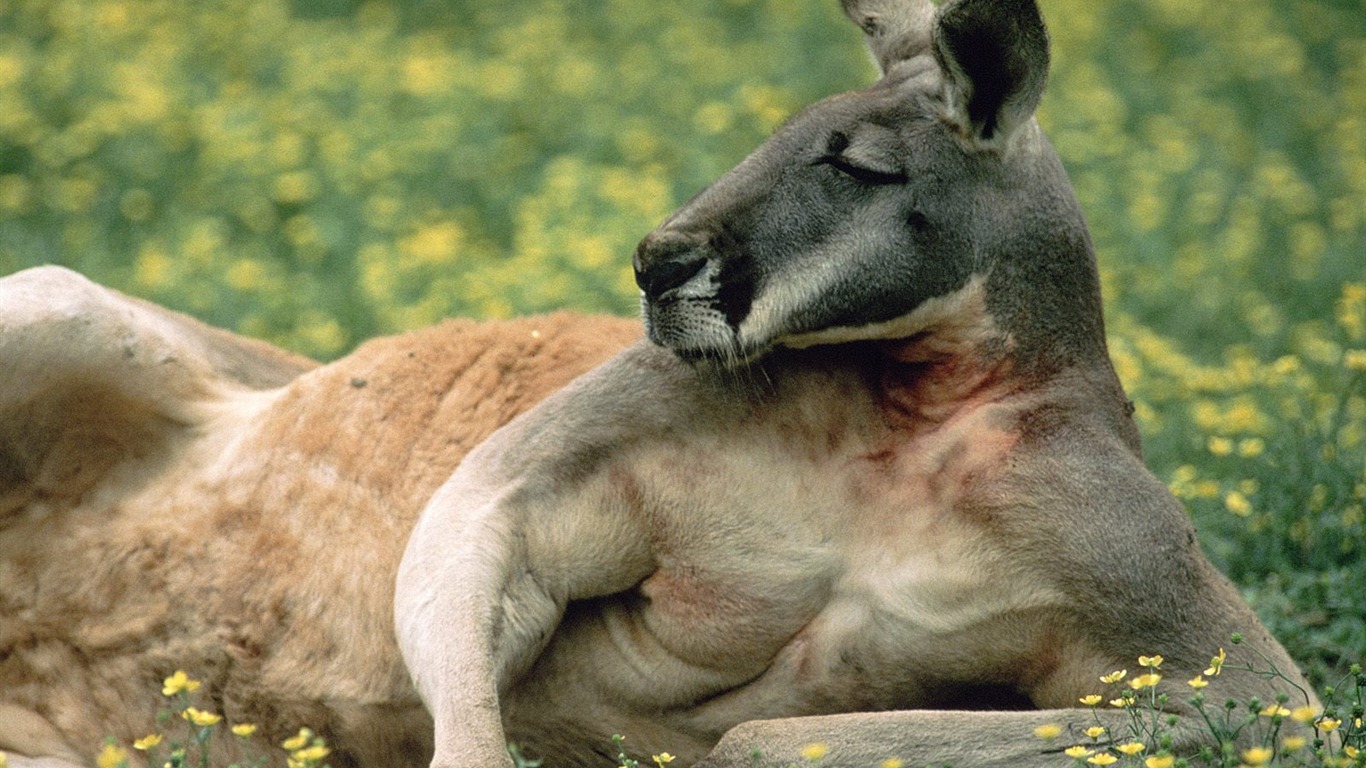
871	154
865	172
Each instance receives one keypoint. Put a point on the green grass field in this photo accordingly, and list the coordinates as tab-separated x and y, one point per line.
315	172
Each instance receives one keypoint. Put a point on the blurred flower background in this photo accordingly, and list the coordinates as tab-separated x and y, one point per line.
316	172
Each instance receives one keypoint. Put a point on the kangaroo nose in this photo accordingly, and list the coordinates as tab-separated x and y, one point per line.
664	261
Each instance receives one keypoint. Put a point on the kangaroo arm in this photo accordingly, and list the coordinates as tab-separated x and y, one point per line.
531	520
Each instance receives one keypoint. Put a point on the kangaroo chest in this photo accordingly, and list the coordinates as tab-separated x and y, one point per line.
808	561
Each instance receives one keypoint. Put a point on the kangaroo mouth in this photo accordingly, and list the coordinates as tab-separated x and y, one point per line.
695	329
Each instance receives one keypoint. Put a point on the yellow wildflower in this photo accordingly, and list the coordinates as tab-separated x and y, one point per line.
1145	681
1077	752
1048	731
1216	664
813	752
179	683
1160	761
311	754
244	729
1095	731
1151	662
1304	714
1103	759
1132	748
892	762
1275	710
662	758
297	741
1293	743
1220	446
1090	700
1257	755
1355	359
1328	724
147	742
1114	677
1238	504
200	717
1197	682
112	756
1349	750
1121	702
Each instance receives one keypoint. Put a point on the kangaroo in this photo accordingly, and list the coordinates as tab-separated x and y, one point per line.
869	481
876	460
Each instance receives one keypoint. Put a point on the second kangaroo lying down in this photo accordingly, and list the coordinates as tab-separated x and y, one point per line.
901	476
871	482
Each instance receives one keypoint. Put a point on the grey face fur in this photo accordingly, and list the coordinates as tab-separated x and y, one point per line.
869	203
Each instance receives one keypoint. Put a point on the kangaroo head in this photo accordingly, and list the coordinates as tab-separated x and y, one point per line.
870	212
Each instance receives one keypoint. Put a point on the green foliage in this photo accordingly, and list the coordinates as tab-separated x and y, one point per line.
316	172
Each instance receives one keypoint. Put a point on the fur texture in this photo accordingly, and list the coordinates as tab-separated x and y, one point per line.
163	512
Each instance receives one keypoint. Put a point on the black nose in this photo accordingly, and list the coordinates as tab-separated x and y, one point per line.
665	260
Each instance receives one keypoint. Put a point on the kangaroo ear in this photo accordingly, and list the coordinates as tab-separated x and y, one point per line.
895	30
994	55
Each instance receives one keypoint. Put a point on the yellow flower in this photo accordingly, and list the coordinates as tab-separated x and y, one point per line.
1048	731
1349	750
147	742
1132	748
1077	752
662	758
1355	359
813	752
1145	681
297	741
200	717
1238	504
1121	703
112	756
1304	714
311	754
179	683
1257	755
1151	662
1216	664
1090	700
1197	682
1160	761
1103	759
1114	677
244	729
1293	743
1328	724
1095	731
1220	446
891	762
1275	710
